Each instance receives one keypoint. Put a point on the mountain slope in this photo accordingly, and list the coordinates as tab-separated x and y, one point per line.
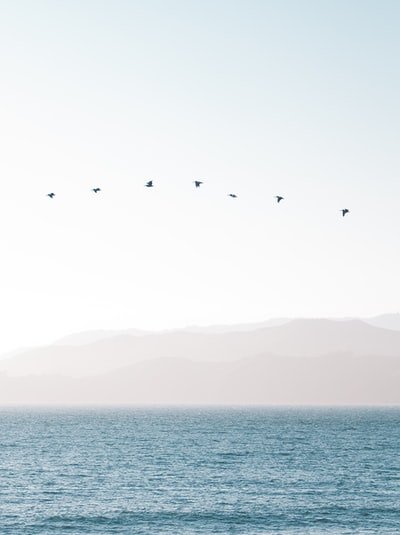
298	338
334	379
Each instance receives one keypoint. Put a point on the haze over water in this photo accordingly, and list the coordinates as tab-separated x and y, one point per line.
200	471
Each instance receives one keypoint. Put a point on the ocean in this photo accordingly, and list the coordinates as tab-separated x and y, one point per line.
200	470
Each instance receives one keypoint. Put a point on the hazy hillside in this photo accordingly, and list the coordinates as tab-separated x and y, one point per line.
301	361
334	379
309	338
89	337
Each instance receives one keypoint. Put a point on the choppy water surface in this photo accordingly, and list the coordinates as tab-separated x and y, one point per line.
200	471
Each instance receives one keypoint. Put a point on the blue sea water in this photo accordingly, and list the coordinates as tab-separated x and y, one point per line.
200	471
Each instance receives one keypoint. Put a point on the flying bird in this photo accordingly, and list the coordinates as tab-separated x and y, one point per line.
279	198
345	211
197	183
232	195
149	184
51	195
96	190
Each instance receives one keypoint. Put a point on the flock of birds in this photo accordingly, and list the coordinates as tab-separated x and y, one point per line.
197	184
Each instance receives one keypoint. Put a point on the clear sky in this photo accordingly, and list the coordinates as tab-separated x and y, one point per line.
258	98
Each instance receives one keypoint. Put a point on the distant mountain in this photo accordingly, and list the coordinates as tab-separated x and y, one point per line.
333	379
90	337
300	361
305	337
238	327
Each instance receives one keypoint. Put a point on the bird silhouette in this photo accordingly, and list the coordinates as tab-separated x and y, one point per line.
51	195
96	190
345	211
149	184
279	198
232	195
197	183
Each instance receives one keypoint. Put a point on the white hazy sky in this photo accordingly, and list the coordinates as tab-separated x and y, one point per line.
297	98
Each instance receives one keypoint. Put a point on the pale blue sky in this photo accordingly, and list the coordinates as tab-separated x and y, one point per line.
297	98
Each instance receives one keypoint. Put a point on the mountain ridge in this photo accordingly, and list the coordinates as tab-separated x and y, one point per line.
297	338
303	361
